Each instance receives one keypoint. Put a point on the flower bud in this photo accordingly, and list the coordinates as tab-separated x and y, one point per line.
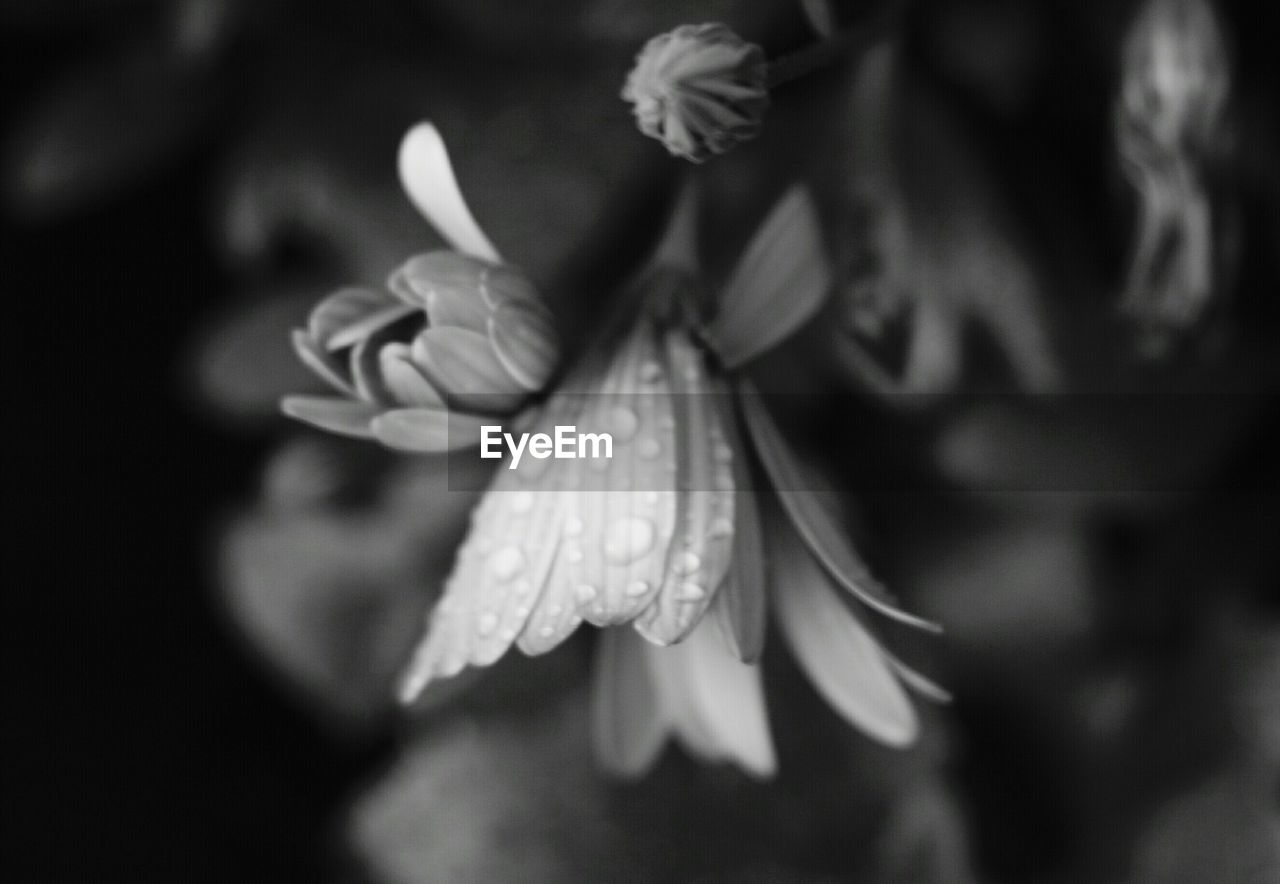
699	89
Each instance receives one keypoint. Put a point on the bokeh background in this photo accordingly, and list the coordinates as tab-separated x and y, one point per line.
192	694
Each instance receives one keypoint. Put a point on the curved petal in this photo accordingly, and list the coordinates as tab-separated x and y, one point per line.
525	342
739	605
426	430
841	658
461	364
343	416
403	379
627	728
780	282
325	366
712	702
811	520
702	546
427	177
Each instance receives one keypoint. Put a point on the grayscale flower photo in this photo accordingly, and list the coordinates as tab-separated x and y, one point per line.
625	441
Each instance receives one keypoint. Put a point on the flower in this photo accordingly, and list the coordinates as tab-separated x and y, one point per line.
666	536
458	335
1169	125
699	89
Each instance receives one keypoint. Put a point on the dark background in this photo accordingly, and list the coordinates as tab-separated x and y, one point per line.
140	736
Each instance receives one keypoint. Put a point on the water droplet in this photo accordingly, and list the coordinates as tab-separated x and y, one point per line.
523	587
687	563
573	526
574	555
628	539
722	452
724	481
691	371
522	611
667	422
721	527
649	448
546	631
487	623
650	372
522	502
691	592
555	611
506	563
508	635
624	422
585	592
637	588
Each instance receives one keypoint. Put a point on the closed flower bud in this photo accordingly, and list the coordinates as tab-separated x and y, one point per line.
700	90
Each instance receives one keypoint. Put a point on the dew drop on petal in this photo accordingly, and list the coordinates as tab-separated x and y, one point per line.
573	526
721	527
637	588
687	563
546	632
649	448
555	611
628	539
506	563
523	587
522	502
650	372
624	422
724	481
487	623
522	611
584	592
722	452
691	592
508	635
574	555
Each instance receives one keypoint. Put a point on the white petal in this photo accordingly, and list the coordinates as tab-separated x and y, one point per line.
842	659
713	703
427	177
739	606
627	727
620	513
780	282
343	416
819	531
702	546
426	430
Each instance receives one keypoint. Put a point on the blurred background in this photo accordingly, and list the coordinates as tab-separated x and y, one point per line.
1078	431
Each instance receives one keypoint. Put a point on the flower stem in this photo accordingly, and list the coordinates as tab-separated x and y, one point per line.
820	55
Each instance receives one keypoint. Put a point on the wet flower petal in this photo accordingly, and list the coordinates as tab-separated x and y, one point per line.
702	546
344	416
841	658
627	728
815	525
779	283
739	606
428	180
425	430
